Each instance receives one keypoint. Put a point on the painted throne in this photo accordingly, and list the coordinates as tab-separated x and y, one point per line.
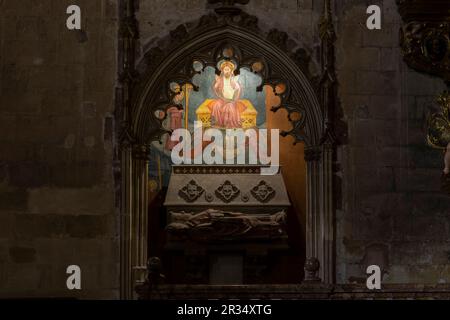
248	116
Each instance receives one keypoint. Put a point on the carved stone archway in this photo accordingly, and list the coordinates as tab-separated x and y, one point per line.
141	93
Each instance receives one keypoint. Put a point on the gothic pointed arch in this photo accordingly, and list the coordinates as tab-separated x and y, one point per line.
145	91
173	63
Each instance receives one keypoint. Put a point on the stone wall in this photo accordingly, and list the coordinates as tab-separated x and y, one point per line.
298	18
393	213
56	113
56	182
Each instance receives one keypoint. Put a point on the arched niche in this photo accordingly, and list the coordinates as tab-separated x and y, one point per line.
299	96
150	91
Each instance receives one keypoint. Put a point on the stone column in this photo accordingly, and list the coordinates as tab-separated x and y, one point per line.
130	165
139	213
134	218
319	217
125	218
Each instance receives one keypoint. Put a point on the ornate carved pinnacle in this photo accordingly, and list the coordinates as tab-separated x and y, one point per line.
326	27
129	28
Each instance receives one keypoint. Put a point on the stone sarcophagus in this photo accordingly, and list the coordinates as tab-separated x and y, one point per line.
225	203
226	221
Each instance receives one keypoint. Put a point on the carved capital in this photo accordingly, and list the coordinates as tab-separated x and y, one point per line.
313	153
141	152
126	138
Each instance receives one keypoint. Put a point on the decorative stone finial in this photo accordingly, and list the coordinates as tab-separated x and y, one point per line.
311	268
154	269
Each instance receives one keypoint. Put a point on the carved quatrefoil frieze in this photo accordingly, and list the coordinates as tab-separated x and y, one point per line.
227	191
263	192
191	192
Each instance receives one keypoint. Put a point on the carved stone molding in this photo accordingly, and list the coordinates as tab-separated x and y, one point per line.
185	32
217	169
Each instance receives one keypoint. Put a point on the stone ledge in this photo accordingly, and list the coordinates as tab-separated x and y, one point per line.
295	292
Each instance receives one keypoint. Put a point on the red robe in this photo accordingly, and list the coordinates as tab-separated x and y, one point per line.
226	113
176	117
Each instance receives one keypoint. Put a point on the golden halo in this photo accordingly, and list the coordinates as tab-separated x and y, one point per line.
227	63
